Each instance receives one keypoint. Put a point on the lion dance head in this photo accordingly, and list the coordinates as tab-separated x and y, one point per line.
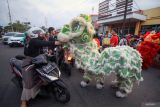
79	30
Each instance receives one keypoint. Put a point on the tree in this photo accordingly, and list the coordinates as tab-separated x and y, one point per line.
17	27
1	31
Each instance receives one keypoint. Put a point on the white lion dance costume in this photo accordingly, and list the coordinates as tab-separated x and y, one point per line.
124	61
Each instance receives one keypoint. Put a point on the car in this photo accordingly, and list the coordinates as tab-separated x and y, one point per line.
18	40
7	36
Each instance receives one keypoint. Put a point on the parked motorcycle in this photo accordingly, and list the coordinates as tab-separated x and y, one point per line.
63	59
67	61
40	73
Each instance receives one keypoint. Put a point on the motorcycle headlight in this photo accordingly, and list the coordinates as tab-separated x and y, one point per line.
69	58
52	78
59	73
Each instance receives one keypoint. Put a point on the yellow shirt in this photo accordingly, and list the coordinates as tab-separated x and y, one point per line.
106	41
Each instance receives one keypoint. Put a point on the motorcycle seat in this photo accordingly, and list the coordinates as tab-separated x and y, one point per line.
20	57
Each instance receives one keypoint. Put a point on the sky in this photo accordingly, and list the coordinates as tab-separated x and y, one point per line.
55	13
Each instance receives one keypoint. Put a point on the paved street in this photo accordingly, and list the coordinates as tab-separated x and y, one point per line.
148	91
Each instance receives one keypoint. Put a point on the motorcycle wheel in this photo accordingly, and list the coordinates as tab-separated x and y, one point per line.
62	94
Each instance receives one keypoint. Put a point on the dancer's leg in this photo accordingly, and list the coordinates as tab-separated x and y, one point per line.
100	78
86	79
124	87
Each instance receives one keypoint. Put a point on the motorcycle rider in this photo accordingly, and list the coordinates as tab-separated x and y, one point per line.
33	49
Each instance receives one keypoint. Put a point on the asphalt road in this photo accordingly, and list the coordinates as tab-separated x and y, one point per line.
147	94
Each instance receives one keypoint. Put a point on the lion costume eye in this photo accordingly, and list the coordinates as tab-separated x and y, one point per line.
85	38
73	41
75	26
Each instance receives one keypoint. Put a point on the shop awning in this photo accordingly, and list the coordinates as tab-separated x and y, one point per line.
115	19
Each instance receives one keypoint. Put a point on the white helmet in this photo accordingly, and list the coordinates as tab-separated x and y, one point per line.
34	31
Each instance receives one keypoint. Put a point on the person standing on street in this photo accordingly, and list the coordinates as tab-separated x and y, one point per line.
114	39
123	41
106	41
52	38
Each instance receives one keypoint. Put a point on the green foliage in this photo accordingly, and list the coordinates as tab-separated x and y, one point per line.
17	27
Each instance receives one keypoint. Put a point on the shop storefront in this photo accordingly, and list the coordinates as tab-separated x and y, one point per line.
136	20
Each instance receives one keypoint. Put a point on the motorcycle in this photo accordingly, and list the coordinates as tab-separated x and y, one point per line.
38	73
67	61
63	59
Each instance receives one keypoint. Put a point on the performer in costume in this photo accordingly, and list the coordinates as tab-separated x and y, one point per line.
149	48
124	61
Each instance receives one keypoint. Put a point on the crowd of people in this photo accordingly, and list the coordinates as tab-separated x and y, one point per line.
113	39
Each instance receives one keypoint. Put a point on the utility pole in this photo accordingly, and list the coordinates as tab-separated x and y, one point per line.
124	20
46	23
10	18
92	10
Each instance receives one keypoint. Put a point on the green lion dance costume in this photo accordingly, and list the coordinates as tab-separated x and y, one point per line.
124	61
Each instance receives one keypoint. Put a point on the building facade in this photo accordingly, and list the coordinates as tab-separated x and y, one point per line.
111	14
152	21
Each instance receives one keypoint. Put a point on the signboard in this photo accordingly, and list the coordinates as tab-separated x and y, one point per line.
111	8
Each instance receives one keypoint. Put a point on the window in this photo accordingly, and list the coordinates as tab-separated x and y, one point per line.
10	34
20	35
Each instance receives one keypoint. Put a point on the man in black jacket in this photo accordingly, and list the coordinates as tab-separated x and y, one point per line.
35	46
